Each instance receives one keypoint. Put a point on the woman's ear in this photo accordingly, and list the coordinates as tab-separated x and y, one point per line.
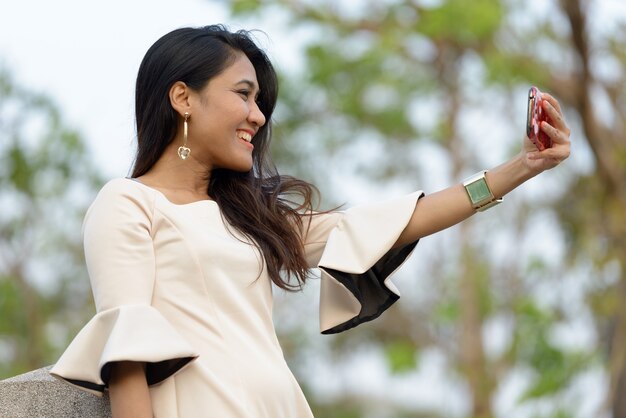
179	97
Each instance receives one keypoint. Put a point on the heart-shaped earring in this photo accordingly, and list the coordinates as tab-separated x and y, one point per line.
183	151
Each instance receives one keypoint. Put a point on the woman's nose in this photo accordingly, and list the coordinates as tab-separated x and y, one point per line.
256	116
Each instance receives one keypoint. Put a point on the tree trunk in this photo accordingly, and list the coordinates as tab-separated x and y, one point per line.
472	351
609	150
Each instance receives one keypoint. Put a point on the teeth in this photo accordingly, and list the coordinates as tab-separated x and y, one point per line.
245	136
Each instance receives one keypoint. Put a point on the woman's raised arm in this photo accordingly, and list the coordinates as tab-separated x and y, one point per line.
450	206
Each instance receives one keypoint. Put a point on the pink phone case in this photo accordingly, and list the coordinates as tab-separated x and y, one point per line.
535	116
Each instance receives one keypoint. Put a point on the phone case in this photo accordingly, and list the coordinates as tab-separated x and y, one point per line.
535	116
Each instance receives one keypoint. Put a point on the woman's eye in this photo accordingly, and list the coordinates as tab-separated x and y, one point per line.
244	93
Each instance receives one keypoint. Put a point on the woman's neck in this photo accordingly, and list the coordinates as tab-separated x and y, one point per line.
177	178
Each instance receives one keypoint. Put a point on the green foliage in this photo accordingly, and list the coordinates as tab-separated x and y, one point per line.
339	411
555	368
245	6
46	180
560	413
512	69
448	311
10	304
401	356
364	408
462	22
349	81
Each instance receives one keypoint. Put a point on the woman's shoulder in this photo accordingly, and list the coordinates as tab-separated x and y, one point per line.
121	205
125	187
124	193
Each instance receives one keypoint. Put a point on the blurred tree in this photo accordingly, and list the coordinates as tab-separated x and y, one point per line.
384	84
46	181
596	218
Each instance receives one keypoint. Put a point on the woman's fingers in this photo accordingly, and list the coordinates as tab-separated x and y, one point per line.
554	102
560	149
556	117
559	136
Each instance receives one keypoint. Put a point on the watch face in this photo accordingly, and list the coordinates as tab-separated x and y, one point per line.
478	191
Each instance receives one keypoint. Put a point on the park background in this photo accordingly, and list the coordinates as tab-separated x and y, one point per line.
518	312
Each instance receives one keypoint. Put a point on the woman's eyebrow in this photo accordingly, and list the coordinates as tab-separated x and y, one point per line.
249	83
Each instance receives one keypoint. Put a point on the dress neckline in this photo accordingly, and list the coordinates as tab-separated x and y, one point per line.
135	180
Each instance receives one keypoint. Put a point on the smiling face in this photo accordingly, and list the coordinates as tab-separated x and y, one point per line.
225	117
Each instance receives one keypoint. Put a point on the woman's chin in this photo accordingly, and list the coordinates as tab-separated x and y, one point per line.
243	167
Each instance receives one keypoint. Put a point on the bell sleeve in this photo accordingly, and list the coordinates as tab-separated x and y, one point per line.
354	252
120	260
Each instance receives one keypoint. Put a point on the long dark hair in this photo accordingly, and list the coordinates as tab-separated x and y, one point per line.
266	207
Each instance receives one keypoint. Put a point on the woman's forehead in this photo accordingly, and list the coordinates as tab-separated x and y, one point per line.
241	69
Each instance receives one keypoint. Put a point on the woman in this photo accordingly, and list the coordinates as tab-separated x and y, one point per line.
182	255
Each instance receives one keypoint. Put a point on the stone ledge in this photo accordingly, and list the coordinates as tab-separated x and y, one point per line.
36	394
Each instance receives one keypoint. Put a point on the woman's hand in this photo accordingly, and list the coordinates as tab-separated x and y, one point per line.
538	161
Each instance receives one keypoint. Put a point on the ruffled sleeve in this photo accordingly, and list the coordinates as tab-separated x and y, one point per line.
127	333
119	252
356	259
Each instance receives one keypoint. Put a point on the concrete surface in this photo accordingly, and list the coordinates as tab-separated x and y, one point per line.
36	394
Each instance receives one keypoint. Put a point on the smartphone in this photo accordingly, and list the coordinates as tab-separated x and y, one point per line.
536	115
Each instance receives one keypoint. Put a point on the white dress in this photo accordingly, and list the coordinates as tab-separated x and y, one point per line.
176	288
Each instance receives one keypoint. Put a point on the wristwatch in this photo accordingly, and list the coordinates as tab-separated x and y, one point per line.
479	193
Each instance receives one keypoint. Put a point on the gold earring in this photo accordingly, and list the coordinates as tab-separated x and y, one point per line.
183	151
